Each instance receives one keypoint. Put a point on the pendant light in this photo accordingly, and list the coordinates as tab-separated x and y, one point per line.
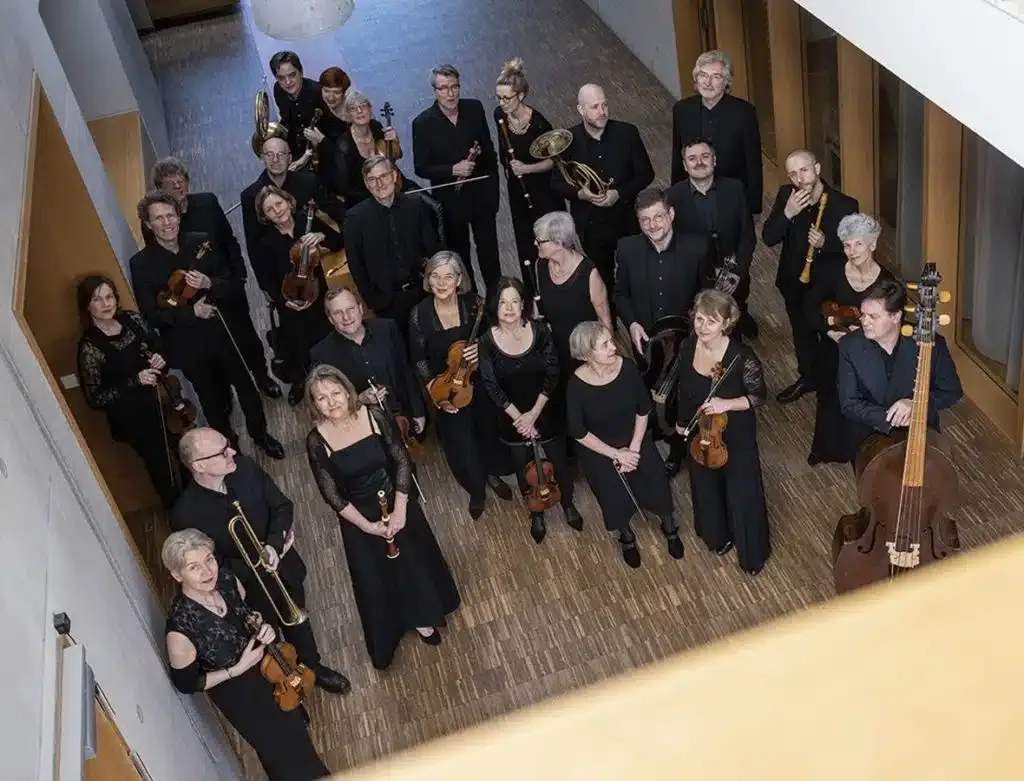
290	20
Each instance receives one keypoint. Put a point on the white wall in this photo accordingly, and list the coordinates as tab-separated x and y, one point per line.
966	57
648	29
61	549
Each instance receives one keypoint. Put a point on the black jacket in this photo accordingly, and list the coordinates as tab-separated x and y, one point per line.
301	185
732	220
297	113
637	288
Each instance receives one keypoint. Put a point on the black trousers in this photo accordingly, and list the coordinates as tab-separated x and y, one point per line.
402	304
471	447
213	370
239	320
158	451
805	338
485	236
555	452
299	332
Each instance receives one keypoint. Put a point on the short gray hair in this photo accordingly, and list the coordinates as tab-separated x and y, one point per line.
447	257
859	226
354	98
583	339
373	161
167	167
715	57
179	544
559	228
444	69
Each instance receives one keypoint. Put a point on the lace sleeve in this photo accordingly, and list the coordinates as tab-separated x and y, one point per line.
552	371
149	336
319	462
90	373
489	375
753	380
418	346
396	450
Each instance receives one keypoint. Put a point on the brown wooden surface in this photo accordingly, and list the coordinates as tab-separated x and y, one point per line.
688	46
119	141
787	78
113	761
857	123
729	35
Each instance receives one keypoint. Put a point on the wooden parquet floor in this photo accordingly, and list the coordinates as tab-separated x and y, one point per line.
537	620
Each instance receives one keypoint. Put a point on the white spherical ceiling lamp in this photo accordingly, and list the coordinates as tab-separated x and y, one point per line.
290	20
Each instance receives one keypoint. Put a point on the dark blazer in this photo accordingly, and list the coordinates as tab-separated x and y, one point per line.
301	185
204	214
732	219
866	393
734	131
297	113
635	288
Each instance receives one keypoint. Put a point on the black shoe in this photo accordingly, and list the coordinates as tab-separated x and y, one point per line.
723	550
631	554
433	638
295	394
748	326
500	488
537	528
573	518
673	464
813	460
476	506
675	546
794	391
270	446
753	571
331	680
270	388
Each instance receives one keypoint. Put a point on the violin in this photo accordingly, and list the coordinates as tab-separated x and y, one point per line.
392	150
314	158
455	384
280	665
301	284
840	318
412	445
179	291
178	412
543	492
708	447
385	516
907	482
474	153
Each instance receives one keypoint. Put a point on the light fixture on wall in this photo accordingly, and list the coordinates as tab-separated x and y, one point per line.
290	20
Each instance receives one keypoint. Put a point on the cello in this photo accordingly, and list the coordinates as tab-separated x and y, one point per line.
392	150
454	385
907	483
300	284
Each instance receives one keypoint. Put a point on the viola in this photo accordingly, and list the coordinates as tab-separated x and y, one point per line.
392	150
907	483
455	384
301	285
542	491
179	291
178	412
840	318
708	447
280	665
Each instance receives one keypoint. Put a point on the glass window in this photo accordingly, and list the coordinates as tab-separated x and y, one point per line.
759	71
822	94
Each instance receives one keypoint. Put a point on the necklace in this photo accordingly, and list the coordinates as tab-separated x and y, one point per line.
218	607
520	126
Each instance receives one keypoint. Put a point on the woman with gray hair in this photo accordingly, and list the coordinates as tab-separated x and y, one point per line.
845	285
211	647
608	409
365	138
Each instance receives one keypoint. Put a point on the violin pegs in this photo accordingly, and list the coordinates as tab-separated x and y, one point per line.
911	286
945	319
910	308
907	330
945	297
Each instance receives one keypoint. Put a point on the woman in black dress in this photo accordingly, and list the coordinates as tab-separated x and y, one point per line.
324	136
469	436
119	365
846	284
728	503
303	324
355	451
608	409
211	648
523	174
519	368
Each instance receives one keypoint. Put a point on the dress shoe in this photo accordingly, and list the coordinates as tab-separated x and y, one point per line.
295	394
573	518
537	528
270	446
753	571
675	546
794	391
813	460
500	488
723	550
476	506
331	680
672	464
434	638
631	554
270	388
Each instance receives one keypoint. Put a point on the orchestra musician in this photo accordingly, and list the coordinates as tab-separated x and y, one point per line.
519	368
728	501
878	366
805	228
220	478
451	141
844	282
387	238
196	340
359	461
210	648
728	122
202	213
370	351
333	124
302	322
468	437
527	181
716	206
616	152
119	365
297	98
608	409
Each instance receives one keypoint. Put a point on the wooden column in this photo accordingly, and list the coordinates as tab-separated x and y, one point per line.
729	35
787	76
857	123
688	46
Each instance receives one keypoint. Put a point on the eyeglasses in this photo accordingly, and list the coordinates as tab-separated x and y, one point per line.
505	98
276	155
705	77
213	455
538	242
447	89
377	181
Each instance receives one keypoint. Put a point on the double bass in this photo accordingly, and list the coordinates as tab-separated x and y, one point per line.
300	284
907	483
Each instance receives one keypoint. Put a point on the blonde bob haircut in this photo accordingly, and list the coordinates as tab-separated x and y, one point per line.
326	373
584	338
718	306
446	257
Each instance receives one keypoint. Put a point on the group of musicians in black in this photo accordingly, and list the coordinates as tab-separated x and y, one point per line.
556	387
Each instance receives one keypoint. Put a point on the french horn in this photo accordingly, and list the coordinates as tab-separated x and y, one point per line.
552	145
265	128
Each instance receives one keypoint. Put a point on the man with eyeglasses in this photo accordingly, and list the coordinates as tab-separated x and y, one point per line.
387	238
221	477
451	141
729	122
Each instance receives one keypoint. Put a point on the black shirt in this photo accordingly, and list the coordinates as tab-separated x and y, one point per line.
297	113
706	206
301	185
650	285
723	214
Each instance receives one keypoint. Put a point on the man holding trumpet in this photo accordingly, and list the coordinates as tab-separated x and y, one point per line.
224	485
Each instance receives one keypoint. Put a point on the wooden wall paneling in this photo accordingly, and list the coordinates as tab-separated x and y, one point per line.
113	760
787	76
688	45
119	140
857	123
729	35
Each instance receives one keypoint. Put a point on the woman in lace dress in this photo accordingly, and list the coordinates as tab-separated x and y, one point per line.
728	503
211	648
354	452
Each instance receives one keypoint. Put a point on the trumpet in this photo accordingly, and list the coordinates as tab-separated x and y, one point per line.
805	275
255	554
552	145
385	517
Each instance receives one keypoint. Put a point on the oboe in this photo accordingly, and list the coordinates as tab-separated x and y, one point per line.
805	275
512	156
385	518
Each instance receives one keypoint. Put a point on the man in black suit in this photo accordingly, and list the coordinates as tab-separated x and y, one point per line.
297	98
791	222
730	123
878	366
202	213
444	138
616	153
716	207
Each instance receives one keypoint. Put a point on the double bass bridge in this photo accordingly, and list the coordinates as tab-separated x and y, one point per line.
905	559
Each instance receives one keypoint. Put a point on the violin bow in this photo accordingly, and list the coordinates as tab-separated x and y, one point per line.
711	392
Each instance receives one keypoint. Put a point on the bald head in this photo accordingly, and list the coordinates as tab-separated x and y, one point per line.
593	107
805	156
194	444
590	93
803	170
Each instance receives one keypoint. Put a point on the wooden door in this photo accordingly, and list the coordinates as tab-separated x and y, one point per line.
113	760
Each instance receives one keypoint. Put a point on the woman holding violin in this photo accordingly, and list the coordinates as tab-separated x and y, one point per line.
519	368
444	331
720	385
122	372
331	125
212	647
288	269
832	307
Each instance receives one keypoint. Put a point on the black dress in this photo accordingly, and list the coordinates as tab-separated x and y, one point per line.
832	441
469	437
347	163
565	306
728	503
108	368
279	738
609	413
394	596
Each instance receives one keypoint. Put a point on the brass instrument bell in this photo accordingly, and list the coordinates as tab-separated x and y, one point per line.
552	145
265	128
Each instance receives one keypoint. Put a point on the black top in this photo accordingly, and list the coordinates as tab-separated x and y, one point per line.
333	129
386	246
271	260
793	235
347	175
297	113
437	145
722	211
542	197
830	283
301	185
566	305
732	127
218	641
650	285
608	411
381	356
204	214
429	341
109	366
520	379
